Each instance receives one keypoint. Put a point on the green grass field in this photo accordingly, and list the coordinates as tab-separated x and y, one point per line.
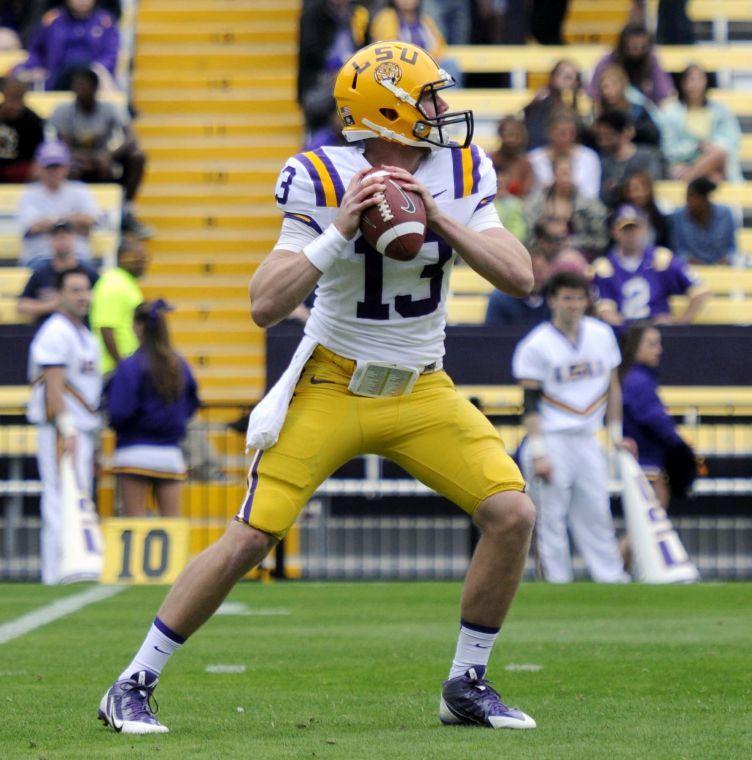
354	670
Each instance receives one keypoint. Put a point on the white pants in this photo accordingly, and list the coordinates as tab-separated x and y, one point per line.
575	498
51	508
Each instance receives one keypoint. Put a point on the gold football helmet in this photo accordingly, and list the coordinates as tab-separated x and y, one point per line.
389	90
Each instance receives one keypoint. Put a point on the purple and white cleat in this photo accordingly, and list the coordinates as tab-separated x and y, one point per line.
470	700
126	706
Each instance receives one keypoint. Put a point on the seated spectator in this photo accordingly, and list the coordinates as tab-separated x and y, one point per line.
634	53
150	398
620	156
511	210
40	296
614	93
646	420
101	141
570	260
564	90
510	160
453	17
330	31
504	309
703	232
12	18
74	35
637	191
114	301
562	143
635	281
585	218
549	236
50	200
701	137
21	133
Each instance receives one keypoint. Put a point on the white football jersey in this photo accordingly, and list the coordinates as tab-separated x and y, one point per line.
61	343
574	376
368	306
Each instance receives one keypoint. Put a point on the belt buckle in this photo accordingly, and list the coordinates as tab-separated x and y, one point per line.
381	379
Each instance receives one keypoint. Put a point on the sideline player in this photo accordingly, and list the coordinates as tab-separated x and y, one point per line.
371	311
568	370
66	389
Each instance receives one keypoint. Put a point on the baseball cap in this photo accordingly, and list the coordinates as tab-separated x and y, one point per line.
54	153
628	216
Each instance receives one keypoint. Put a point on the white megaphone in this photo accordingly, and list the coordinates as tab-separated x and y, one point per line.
81	544
658	555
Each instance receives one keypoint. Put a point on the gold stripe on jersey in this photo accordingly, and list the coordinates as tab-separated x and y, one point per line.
572	410
327	183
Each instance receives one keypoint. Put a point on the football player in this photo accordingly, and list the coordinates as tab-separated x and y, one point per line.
371	360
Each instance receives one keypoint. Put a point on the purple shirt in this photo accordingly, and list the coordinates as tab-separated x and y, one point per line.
645	418
657	86
61	41
644	293
138	414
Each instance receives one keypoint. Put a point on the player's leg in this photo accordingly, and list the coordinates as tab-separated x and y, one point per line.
590	514
280	482
448	444
50	507
167	496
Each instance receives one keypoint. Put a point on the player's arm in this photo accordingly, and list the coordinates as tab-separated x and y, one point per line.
495	254
285	278
531	395
54	384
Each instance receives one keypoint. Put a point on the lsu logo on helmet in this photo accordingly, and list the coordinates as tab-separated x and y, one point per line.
390	90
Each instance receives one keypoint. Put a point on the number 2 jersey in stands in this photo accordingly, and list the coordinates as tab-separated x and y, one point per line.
370	307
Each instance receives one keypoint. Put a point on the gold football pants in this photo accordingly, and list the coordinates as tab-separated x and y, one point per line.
433	433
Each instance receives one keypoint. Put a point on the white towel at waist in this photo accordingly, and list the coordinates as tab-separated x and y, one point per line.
268	416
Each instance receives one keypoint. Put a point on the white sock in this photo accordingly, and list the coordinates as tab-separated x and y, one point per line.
159	645
474	645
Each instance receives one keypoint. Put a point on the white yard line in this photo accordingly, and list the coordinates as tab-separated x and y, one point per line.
54	611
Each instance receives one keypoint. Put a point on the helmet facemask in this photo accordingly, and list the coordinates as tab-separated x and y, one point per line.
443	130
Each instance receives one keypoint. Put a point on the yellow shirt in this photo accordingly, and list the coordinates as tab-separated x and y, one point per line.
115	297
700	122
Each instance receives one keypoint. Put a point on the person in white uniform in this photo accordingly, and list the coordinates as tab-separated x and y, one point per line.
66	390
567	368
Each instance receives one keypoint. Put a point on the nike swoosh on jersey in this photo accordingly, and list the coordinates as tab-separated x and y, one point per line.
317	381
441	192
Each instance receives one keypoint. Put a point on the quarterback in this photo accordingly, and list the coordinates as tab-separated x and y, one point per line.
371	359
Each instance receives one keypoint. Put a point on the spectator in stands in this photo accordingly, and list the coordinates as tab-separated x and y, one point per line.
703	232
546	20
150	398
510	159
53	198
585	218
637	191
405	20
504	309
115	298
562	143
571	260
74	35
453	17
620	156
549	236
701	137
12	18
614	93
635	282
564	89
21	132
102	143
40	296
634	53
65	395
511	209
330	32
646	420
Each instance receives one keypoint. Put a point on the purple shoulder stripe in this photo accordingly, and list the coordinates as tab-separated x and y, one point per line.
315	178
485	201
457	171
475	153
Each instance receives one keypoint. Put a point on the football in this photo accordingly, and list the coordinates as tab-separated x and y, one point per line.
396	226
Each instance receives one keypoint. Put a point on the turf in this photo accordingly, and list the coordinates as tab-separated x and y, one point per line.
354	672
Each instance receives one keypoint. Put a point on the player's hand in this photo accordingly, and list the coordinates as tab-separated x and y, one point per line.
357	198
542	468
408	182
